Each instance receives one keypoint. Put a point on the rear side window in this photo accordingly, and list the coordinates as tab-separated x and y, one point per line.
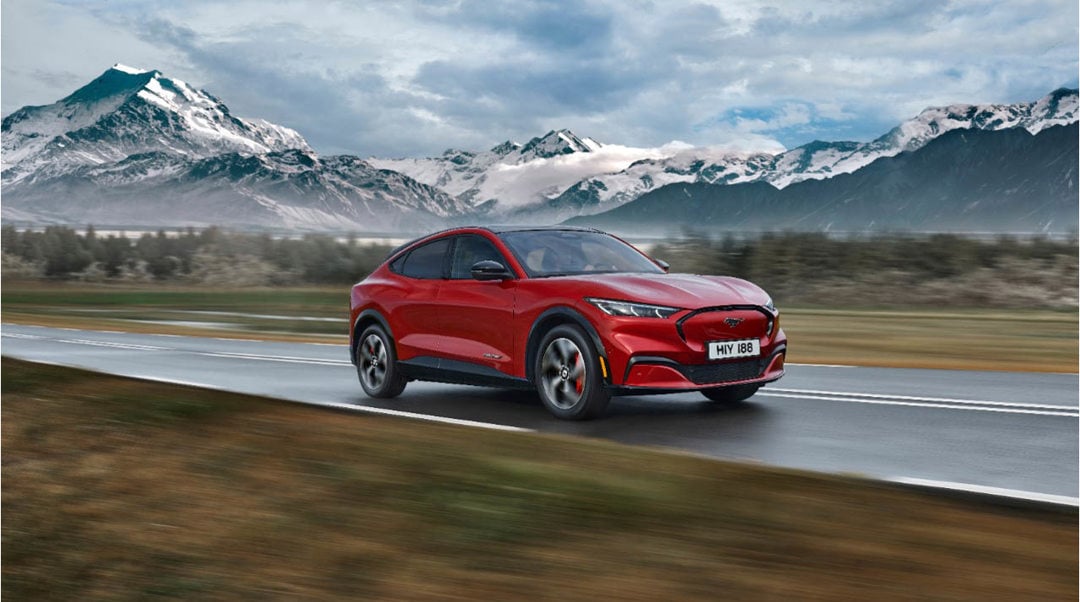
427	261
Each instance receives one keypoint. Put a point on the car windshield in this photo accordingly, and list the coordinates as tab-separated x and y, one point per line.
545	253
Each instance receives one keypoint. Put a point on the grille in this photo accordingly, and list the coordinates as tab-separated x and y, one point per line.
719	373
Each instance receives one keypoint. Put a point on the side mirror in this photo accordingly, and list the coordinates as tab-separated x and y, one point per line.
663	264
490	270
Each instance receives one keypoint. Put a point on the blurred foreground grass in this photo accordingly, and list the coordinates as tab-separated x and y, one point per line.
120	489
977	339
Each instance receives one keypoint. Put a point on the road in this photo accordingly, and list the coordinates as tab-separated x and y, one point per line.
1003	430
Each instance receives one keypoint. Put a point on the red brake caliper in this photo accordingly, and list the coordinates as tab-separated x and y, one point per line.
579	382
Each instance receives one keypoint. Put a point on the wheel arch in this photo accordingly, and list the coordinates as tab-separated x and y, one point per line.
551	318
363	320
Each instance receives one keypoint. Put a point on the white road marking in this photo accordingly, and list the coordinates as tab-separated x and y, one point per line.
927	399
171	381
942	406
349	407
276	358
415	416
822	365
112	345
1063	500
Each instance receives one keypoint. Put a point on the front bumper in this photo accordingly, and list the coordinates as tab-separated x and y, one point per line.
651	355
650	374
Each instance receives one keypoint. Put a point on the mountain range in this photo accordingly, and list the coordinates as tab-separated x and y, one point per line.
134	147
965	180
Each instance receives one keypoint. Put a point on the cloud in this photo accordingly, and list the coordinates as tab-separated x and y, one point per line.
415	77
557	26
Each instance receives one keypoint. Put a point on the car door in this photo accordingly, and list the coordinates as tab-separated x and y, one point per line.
416	312
476	317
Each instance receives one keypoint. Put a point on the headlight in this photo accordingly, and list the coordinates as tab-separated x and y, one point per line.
625	308
769	305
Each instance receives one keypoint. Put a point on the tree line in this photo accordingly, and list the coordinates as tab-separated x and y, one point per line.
211	256
809	269
890	270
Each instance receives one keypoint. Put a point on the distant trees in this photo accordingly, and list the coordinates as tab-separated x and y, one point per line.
943	270
805	269
210	256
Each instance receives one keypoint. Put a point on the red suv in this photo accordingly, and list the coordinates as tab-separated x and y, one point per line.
576	313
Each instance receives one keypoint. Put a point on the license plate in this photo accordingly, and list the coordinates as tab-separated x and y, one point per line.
725	350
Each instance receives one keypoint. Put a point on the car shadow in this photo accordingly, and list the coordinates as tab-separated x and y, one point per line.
522	408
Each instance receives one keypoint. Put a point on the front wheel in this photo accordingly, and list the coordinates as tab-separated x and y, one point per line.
376	364
731	395
568	375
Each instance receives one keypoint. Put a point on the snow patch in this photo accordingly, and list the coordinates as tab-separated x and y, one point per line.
129	70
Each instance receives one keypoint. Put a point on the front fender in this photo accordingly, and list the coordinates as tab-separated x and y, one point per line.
551	318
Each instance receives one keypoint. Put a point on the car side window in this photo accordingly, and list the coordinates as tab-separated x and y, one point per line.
467	251
426	262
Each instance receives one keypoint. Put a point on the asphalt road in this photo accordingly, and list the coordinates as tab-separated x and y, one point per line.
1004	430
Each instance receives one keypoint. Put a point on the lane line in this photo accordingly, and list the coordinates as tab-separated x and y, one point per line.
492	426
942	406
270	358
928	399
171	381
1062	500
276	357
822	365
113	345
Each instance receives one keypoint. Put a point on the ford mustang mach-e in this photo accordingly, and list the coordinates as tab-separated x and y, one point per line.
577	314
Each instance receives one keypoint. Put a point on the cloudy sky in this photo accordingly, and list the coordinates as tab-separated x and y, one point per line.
414	78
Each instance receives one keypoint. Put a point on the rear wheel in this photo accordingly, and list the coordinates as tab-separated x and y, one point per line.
731	395
376	364
568	375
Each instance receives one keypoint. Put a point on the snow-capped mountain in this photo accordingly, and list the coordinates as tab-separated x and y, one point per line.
136	147
965	180
511	175
290	189
813	161
127	111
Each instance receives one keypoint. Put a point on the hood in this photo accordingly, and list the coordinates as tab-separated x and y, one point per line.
687	291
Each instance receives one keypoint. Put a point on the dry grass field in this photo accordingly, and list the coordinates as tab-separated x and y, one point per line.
122	490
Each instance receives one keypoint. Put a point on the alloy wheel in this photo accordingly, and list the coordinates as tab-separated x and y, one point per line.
373	362
563	373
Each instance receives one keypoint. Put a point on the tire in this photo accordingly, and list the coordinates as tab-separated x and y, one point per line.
376	364
731	395
567	375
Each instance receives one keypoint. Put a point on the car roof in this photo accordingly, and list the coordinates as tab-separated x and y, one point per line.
494	230
502	229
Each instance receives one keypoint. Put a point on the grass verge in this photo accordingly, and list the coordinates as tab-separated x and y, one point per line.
1021	340
122	489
